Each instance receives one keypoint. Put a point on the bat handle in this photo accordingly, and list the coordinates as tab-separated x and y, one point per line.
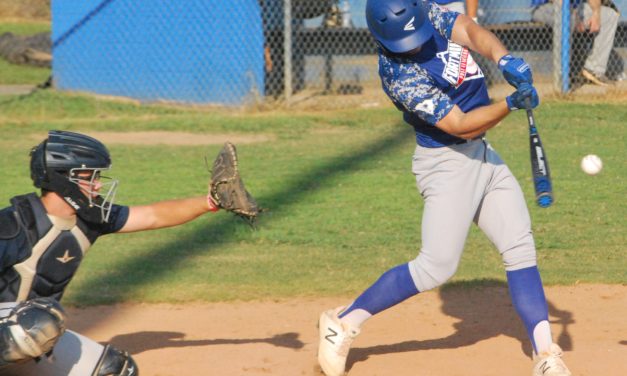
532	122
528	105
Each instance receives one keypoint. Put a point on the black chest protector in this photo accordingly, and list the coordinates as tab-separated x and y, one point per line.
58	246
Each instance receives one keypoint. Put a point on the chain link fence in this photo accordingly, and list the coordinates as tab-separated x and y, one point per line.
249	51
535	32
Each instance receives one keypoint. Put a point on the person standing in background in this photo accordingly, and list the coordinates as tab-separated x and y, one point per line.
597	17
273	17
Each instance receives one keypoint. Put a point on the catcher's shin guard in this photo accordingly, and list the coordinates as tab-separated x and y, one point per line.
30	330
116	363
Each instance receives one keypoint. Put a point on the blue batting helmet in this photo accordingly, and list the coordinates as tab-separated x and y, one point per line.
398	25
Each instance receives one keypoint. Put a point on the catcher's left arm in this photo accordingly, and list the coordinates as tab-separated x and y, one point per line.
226	188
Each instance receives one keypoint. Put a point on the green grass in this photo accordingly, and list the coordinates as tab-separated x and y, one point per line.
23	27
12	74
341	199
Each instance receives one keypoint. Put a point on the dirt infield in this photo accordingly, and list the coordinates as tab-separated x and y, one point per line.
450	332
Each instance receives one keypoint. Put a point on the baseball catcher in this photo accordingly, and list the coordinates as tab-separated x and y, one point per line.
44	238
226	188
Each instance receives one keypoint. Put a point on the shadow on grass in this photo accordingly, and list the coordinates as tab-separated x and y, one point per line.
139	342
485	311
173	254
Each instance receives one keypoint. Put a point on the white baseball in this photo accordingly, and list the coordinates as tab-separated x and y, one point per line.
591	164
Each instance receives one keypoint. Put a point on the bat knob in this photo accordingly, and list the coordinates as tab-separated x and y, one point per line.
545	201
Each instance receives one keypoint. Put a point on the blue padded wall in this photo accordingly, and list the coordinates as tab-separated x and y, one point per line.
197	51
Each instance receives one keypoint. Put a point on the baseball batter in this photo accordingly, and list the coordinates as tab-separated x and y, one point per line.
428	73
43	240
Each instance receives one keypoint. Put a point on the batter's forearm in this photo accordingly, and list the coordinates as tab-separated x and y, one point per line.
473	123
480	120
486	43
471	8
467	33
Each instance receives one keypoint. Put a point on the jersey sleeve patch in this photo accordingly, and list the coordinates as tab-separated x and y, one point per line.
442	19
411	89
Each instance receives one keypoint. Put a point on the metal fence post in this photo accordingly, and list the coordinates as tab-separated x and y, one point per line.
565	46
287	47
556	48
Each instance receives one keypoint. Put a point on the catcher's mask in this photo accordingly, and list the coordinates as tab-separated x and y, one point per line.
70	164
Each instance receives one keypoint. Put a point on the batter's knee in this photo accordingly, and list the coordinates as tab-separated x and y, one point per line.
116	363
429	274
520	255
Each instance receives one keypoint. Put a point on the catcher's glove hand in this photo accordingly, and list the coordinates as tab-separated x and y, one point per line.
226	188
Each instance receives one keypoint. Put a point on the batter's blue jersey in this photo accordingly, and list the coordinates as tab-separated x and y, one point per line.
428	84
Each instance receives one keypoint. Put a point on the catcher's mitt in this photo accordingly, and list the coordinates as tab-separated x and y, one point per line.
226	187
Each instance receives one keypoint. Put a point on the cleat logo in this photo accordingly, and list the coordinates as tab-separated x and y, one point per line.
332	334
544	367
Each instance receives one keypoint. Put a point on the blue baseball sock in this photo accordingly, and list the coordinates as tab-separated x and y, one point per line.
525	288
391	288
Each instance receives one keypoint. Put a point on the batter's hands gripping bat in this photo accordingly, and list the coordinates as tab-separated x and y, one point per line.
539	165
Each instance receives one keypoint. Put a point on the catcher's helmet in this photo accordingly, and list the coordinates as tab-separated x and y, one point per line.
55	166
399	26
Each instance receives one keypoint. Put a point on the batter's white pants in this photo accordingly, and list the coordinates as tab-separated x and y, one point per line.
461	184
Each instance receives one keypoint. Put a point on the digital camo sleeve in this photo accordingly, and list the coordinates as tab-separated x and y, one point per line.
411	89
442	19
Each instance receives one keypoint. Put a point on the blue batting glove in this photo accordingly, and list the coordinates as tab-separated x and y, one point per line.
515	70
525	96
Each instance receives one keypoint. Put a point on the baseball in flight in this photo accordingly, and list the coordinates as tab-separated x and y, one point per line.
591	164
